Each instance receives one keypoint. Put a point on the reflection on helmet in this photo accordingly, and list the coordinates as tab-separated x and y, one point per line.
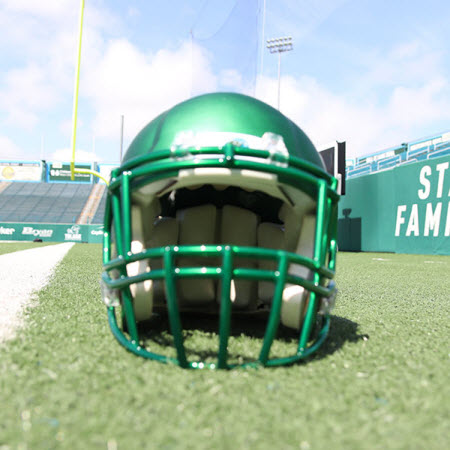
221	211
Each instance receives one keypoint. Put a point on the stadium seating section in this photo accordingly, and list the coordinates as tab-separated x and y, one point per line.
98	217
45	202
406	153
68	203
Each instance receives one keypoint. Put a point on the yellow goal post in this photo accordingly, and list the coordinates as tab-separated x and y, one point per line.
74	169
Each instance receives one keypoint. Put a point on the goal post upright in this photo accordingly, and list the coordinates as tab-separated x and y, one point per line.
73	169
75	93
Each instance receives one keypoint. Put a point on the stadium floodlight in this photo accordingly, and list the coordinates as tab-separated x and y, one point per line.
279	45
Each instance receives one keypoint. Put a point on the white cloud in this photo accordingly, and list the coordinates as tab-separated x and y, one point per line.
46	8
35	27
366	127
300	21
38	73
230	78
381	113
65	155
405	64
133	12
393	96
141	86
9	149
26	93
412	107
323	115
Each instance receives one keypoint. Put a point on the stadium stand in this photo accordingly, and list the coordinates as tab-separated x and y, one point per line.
43	202
84	203
405	153
441	150
4	185
90	209
98	216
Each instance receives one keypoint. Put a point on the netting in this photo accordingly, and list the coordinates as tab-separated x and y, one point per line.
228	33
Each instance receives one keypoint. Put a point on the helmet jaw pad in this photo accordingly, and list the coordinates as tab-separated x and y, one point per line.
205	225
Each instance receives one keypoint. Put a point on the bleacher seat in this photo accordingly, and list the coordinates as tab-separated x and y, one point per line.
360	170
43	202
420	150
98	217
441	152
418	153
387	163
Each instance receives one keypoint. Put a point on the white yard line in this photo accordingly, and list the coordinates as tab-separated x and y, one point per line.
22	274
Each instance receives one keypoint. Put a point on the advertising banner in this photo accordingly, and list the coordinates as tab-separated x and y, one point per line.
403	210
51	232
422	208
95	233
60	172
20	171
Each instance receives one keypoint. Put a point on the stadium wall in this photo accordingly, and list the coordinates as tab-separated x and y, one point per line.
51	172
405	209
51	232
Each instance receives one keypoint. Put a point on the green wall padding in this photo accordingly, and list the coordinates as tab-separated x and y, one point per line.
403	210
51	232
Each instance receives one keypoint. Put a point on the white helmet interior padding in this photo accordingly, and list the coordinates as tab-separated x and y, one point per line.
207	224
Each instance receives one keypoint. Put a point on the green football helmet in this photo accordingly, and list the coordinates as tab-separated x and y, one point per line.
222	208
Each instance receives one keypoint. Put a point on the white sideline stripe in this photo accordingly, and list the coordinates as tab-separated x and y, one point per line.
22	274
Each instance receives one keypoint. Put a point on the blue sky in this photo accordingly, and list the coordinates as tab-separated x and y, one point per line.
373	73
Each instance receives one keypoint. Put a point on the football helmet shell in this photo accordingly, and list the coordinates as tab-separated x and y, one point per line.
223	205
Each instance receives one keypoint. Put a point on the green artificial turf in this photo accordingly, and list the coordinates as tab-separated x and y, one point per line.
10	247
380	382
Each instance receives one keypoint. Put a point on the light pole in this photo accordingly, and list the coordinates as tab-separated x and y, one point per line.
279	45
121	138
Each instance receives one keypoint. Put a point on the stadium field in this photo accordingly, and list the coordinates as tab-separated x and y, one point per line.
379	382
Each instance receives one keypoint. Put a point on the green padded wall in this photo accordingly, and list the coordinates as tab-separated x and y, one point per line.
51	232
404	210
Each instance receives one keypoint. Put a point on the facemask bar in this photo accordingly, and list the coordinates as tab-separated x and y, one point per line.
164	164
